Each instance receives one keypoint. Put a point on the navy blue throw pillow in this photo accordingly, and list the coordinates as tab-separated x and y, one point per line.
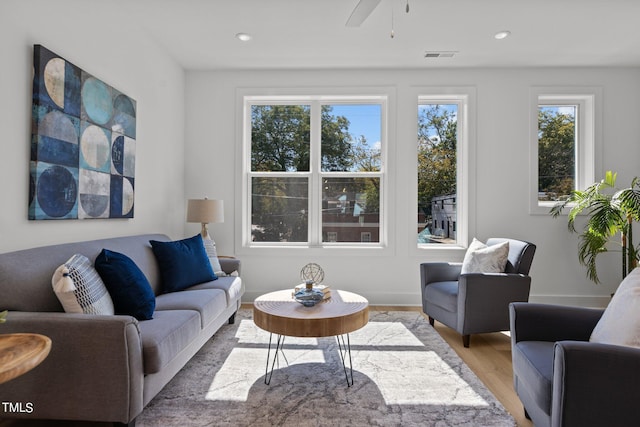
182	263
129	288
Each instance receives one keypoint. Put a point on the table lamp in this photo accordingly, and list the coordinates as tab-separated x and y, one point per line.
205	211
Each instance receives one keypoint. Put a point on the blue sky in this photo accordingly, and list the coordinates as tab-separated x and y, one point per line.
364	120
569	110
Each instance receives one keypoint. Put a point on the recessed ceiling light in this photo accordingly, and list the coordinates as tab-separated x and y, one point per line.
501	35
243	37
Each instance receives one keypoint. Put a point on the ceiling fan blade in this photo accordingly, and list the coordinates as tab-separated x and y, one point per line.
361	12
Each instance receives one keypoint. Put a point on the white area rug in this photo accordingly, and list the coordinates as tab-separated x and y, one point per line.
404	373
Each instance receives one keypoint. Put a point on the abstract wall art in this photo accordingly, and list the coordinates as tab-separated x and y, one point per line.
83	144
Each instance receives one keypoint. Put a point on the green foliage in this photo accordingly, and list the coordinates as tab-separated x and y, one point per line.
437	163
3	316
280	138
336	142
280	207
611	214
556	153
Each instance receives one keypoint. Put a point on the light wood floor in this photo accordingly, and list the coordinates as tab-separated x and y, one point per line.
489	357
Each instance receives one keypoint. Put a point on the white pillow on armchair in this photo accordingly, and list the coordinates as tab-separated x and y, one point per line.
481	258
620	322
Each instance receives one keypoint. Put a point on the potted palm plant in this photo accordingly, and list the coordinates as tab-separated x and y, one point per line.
612	213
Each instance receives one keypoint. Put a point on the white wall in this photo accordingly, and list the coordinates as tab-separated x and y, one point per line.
97	37
500	174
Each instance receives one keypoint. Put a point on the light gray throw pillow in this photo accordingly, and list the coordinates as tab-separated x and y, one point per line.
620	322
481	258
80	289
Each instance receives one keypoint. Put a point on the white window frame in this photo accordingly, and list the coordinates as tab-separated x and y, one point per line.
464	97
247	98
588	136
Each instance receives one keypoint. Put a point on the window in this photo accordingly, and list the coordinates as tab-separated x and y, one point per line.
438	171
556	151
315	171
563	146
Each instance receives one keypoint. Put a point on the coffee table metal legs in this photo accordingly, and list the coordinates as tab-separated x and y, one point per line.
345	350
278	350
343	346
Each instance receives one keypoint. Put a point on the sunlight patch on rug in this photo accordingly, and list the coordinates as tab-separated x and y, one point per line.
408	378
386	352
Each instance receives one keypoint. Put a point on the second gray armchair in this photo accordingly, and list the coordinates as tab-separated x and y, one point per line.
477	302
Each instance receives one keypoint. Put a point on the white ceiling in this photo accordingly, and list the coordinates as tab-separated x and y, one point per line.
200	34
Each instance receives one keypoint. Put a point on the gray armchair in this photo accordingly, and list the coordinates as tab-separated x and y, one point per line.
478	302
562	379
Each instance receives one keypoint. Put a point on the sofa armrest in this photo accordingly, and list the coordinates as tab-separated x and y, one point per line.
548	322
595	384
93	372
431	272
229	264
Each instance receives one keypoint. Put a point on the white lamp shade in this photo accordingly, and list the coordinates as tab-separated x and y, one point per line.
205	211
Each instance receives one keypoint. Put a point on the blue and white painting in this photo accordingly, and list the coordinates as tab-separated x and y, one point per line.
83	144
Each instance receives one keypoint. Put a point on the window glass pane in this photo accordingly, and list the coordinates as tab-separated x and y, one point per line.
556	151
351	136
279	209
350	207
437	188
280	136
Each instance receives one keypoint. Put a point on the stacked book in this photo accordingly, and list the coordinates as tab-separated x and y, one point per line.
322	288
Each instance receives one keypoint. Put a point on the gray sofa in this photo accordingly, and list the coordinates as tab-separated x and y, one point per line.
105	368
562	379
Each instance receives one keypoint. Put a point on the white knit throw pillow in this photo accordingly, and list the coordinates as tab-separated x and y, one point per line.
80	289
212	253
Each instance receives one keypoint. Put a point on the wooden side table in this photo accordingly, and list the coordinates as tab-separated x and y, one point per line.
278	313
19	353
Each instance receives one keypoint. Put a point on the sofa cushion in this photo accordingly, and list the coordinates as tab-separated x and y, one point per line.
208	302
620	322
80	289
182	263
129	288
166	335
443	294
533	361
481	258
231	285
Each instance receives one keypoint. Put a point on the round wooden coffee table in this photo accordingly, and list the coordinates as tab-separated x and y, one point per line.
278	313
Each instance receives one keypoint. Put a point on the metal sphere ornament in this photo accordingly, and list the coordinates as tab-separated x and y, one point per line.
312	273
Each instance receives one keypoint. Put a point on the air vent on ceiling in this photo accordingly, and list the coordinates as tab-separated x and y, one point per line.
439	54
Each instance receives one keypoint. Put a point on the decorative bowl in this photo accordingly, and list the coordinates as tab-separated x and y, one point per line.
308	297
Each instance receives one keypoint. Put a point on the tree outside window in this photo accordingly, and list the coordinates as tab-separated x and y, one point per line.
295	168
437	172
556	151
